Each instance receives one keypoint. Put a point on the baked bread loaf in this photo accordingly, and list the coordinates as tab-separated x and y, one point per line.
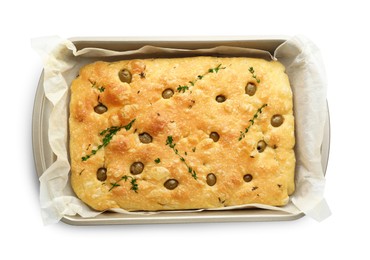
182	133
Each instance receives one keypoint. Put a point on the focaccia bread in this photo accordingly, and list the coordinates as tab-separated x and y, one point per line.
182	133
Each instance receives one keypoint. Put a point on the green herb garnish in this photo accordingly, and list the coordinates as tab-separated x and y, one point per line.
215	70
157	160
251	122
182	89
251	70
108	135
199	77
134	185
94	85
172	145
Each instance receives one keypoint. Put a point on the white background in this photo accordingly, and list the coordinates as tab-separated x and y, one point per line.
337	27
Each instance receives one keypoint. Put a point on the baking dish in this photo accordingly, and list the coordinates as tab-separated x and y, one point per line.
44	156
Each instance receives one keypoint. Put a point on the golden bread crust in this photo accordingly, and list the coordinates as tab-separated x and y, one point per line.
187	118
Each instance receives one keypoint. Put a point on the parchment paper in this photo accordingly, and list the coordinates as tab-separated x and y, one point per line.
307	76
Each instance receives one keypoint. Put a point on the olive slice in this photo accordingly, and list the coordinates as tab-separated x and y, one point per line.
171	184
250	89
261	146
248	177
214	136
167	93
220	98
145	138
125	75
100	109
101	174
211	179
136	168
277	120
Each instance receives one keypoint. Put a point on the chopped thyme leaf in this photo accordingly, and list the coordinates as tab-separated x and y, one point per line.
94	85
113	185
182	88
251	122
134	185
108	135
215	70
199	77
129	125
251	70
169	141
157	160
172	145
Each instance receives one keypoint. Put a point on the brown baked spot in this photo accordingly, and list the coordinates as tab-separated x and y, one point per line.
119	144
116	95
138	67
156	124
222	201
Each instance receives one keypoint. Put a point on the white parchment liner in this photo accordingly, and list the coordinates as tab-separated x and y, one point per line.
307	76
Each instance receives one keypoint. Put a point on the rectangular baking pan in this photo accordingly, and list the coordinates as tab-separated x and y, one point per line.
44	156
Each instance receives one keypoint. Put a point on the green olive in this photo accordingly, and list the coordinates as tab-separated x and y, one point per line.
220	98
214	136
248	177
167	93
277	120
125	75
261	146
145	138
171	184
100	109
211	179
136	168
101	174
250	89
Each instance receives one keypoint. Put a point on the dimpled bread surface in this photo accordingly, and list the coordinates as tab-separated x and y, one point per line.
209	140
